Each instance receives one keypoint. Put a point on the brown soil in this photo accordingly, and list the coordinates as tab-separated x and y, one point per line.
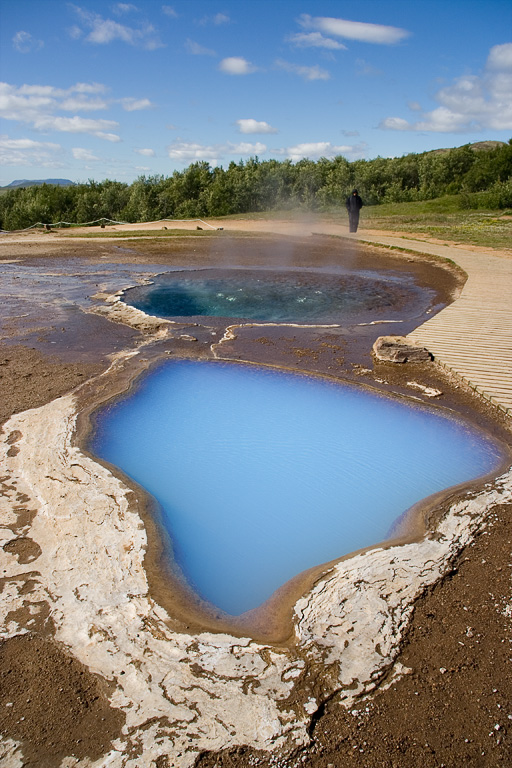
29	380
454	707
52	703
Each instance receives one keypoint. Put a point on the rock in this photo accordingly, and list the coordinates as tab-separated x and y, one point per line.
187	337
119	312
396	349
427	391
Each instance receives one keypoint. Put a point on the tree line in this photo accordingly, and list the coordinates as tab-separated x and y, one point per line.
481	177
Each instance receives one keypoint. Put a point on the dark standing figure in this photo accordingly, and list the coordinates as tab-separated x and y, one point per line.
353	205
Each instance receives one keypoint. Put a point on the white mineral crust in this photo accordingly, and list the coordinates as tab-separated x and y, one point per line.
185	693
120	312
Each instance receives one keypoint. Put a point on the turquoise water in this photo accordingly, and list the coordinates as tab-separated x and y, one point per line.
263	474
287	296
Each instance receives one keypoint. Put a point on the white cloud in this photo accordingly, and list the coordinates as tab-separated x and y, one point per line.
221	18
38	96
18	104
395	124
249	125
500	57
145	152
444	120
84	154
75	32
169	11
315	40
217	19
354	30
198	50
15	106
88	88
40	90
29	152
470	103
189	152
36	105
113	137
315	150
23	42
82	104
308	73
8	143
236	65
365	69
39	105
245	148
134	105
120	8
104	31
77	124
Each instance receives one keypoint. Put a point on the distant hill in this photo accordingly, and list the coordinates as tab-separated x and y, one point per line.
38	182
477	146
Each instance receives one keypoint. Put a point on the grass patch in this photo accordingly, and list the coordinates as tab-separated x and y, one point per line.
442	219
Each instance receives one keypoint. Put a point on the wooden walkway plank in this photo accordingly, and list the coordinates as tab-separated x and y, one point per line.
472	337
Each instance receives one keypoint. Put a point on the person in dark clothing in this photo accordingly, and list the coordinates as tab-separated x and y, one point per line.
353	205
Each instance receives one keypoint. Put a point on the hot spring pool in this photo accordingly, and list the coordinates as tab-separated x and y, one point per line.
343	296
262	474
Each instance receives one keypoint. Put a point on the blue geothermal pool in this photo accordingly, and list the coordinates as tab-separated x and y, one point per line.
262	474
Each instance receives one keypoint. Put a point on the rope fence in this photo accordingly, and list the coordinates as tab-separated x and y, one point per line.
102	222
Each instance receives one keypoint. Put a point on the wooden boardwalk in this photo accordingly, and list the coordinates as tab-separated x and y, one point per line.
473	336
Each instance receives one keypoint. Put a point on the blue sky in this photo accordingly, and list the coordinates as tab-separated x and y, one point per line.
95	90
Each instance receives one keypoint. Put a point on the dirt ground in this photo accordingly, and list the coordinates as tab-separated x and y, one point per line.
453	705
